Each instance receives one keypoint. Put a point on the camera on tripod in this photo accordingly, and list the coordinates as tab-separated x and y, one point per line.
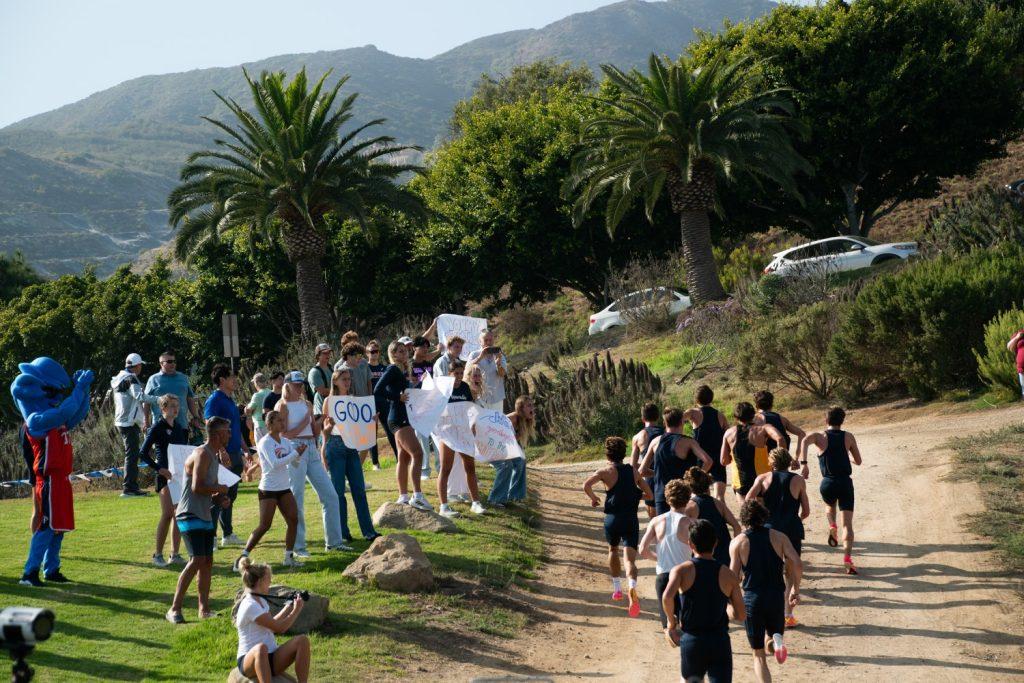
20	629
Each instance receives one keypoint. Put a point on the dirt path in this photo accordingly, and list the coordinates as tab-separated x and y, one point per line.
930	603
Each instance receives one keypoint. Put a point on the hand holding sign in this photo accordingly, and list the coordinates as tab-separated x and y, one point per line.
355	420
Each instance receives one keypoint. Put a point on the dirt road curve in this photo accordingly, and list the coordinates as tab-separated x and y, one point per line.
930	603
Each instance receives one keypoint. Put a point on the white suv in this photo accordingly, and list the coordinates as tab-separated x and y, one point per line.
611	316
836	254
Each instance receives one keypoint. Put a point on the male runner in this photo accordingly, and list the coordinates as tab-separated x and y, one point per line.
641	444
740	447
761	553
624	487
709	427
670	455
764	401
835	450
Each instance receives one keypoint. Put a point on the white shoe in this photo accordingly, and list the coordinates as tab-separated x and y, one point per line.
159	560
176	558
403	499
303	554
476	508
339	547
420	503
231	540
291	561
368	487
446	511
376	468
424	477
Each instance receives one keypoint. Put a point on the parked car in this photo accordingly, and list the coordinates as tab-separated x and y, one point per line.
611	316
836	254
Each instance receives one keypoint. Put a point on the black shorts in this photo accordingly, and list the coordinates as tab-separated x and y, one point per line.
707	653
649	502
717	472
766	615
275	495
837	490
394	426
273	670
161	483
660	581
622	529
199	542
794	532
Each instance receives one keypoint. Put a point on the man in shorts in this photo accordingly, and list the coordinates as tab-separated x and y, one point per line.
650	415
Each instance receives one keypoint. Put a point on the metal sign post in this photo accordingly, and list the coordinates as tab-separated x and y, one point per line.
229	329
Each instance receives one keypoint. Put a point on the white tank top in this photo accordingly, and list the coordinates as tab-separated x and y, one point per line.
671	551
297	411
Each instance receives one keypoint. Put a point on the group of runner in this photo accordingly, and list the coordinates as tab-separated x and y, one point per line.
704	575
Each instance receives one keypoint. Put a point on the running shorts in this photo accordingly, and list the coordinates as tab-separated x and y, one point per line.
649	502
766	615
622	529
708	654
268	495
199	538
837	490
717	471
394	426
660	582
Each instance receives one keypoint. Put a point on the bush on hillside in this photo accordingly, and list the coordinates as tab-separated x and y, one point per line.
919	325
984	217
996	364
740	265
792	350
643	290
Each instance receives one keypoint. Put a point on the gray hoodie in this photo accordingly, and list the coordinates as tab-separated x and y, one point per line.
128	399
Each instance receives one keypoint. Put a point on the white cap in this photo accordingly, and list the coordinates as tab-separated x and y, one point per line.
405	340
132	360
320	348
294	377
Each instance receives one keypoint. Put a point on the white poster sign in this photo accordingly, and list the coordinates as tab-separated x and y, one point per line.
455	427
226	477
426	404
450	325
495	437
355	420
176	456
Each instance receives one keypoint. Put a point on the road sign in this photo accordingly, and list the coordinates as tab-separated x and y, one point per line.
229	328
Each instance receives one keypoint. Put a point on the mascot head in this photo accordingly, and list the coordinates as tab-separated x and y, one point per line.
42	384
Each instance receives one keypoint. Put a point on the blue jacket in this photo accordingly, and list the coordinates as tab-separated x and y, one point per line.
221	405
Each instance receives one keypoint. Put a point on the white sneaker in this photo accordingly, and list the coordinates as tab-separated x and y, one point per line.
446	511
368	487
159	561
338	547
376	468
420	503
403	499
291	561
424	477
476	508
302	553
231	540
176	558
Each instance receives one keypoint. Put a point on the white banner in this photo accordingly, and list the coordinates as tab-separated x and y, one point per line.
176	456
355	420
226	477
450	325
455	427
426	404
495	437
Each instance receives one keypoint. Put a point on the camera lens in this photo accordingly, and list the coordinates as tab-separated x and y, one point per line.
43	625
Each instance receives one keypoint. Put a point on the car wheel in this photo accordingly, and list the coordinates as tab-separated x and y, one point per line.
882	258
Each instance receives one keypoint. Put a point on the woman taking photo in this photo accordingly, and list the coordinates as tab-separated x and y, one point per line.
343	462
393	387
259	655
460	393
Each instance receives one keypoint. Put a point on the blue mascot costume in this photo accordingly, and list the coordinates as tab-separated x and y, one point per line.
52	404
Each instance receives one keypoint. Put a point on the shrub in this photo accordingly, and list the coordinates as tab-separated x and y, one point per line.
918	325
792	350
740	265
978	220
643	303
521	322
996	365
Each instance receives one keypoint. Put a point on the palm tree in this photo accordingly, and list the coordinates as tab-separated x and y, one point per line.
685	129
283	169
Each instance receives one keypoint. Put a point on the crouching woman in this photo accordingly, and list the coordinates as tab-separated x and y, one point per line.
259	656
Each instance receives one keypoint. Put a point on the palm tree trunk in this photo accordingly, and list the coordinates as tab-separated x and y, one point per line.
701	272
311	286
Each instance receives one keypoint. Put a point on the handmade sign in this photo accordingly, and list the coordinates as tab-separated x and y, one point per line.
176	456
495	437
450	325
355	420
426	404
455	427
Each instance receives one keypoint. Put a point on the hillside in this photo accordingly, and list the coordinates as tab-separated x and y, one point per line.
144	128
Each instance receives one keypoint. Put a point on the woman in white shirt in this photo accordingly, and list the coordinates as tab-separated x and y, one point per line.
259	656
276	452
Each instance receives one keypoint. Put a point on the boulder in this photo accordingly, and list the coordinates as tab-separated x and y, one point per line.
394	562
396	516
236	677
313	613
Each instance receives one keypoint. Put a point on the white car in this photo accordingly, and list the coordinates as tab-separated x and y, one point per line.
836	254
612	315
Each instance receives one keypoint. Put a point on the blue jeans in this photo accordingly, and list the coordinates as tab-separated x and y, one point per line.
509	481
428	446
344	462
309	467
44	550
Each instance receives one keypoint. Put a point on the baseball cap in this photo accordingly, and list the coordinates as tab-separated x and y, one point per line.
294	377
405	340
132	360
320	348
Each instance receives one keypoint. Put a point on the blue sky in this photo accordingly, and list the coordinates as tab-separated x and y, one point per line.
53	52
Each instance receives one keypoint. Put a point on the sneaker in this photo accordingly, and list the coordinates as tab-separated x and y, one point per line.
174	617
498	506
134	494
420	503
176	558
56	577
781	653
634	603
791	621
617	595
446	511
31	579
159	561
833	541
476	508
231	539
208	615
338	548
372	538
304	554
368	486
291	561
424	477
403	499
850	569
376	468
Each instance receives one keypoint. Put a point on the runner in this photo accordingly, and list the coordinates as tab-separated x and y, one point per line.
764	401
835	450
709	427
625	488
710	597
670	533
641	444
743	446
704	506
785	496
670	455
460	393
761	553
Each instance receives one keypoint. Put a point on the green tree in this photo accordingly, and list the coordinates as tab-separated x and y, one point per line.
15	275
685	130
896	94
282	171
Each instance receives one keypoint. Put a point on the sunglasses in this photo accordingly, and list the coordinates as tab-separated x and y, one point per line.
169	361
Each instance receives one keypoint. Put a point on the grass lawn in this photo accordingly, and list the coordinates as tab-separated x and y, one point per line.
995	460
110	623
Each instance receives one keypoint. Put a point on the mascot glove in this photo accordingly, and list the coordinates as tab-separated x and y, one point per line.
83	377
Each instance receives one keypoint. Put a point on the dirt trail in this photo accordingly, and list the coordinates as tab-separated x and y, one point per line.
930	604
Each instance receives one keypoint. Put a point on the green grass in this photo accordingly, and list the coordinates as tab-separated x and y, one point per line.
110	622
995	460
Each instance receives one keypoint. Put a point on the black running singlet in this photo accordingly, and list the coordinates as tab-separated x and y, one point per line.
762	572
653	432
775	420
709	434
704	603
743	454
667	465
784	509
834	461
624	496
706	509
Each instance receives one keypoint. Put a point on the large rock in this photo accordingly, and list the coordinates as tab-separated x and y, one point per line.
394	562
235	677
396	516
313	613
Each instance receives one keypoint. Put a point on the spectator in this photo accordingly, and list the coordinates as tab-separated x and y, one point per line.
494	366
319	377
423	365
353	359
258	654
170	381
453	349
130	419
1016	346
165	432
255	407
220	404
377	369
276	390
510	475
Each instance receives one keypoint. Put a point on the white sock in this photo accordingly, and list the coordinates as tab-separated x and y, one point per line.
616	583
632	583
777	639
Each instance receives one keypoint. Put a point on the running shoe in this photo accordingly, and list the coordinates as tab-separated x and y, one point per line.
158	560
31	579
424	477
174	617
833	542
476	508
446	511
850	569
368	486
291	561
403	499
376	468
420	503
634	603
498	506
56	577
373	537
176	558
791	621
337	548
231	539
303	554
617	595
